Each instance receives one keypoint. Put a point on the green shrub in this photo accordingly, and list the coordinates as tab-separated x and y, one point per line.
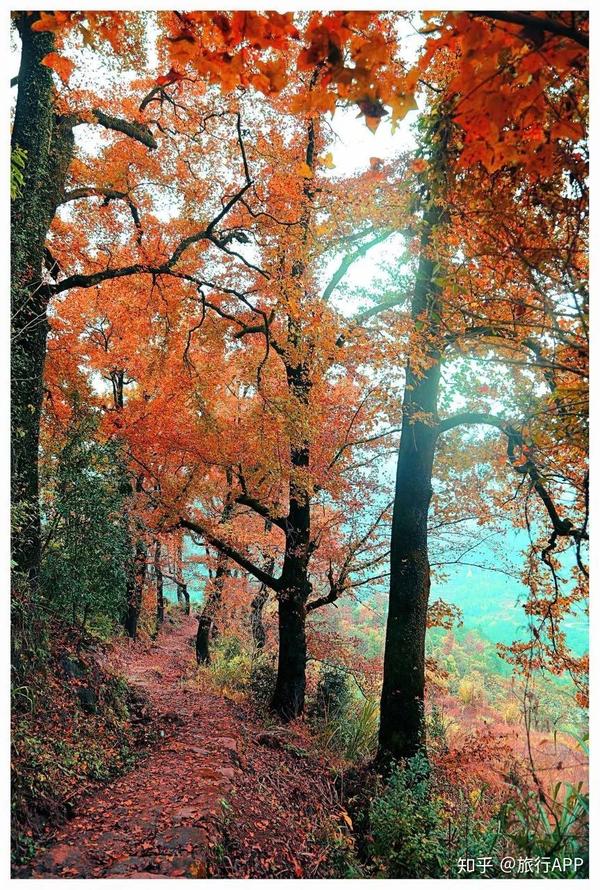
346	724
104	627
263	676
332	695
340	859
87	549
554	828
436	731
358	731
228	648
416	834
29	634
234	669
352	733
406	821
232	673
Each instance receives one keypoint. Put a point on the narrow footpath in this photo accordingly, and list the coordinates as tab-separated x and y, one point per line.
218	796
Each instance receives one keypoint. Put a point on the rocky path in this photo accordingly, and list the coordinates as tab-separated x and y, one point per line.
216	797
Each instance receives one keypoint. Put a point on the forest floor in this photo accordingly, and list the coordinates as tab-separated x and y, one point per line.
220	795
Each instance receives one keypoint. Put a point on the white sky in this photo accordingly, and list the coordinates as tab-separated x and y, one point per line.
356	144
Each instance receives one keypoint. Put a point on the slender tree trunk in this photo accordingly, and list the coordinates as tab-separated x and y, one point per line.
160	599
290	687
206	619
48	141
259	636
202	639
183	596
401	731
135	587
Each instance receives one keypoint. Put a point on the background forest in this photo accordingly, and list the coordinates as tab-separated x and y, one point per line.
299	444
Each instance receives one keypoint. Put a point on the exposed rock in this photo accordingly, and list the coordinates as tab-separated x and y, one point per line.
88	699
72	667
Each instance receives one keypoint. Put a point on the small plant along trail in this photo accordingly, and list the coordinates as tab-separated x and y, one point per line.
218	796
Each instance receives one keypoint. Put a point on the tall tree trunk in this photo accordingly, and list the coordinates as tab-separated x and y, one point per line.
290	688
259	636
48	142
401	731
135	587
288	698
160	599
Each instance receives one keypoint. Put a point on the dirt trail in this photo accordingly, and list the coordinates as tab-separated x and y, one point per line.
216	797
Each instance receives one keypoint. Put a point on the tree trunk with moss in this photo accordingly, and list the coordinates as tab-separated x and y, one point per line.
47	141
135	589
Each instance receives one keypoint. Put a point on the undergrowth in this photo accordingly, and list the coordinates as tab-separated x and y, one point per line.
421	821
72	725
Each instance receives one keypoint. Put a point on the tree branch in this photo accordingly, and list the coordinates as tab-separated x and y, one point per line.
335	590
366	314
473	418
542	23
246	501
91	280
206	234
108	195
350	259
339	585
229	551
139	132
562	527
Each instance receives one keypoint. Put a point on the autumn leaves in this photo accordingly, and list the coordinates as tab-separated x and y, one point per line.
193	259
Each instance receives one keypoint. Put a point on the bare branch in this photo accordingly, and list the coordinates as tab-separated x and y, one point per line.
350	259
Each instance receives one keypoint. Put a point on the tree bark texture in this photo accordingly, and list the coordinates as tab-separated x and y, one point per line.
290	687
135	587
48	142
402	725
160	599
